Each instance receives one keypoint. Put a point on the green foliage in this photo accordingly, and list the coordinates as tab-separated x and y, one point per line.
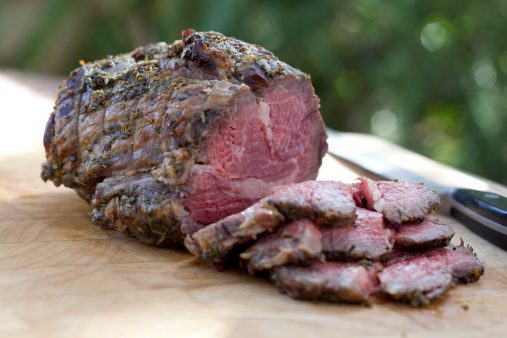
430	75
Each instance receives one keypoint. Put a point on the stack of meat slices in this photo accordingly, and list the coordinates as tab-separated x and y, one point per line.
325	240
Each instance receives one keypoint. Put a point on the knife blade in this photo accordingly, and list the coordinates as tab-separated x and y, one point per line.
483	212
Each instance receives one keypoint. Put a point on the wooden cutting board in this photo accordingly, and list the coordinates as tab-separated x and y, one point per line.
62	276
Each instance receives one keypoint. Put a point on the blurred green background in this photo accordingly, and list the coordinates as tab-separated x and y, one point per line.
429	75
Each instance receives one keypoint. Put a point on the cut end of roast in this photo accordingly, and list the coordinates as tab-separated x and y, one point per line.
268	139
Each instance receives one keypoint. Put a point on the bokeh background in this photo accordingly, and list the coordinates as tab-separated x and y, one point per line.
429	75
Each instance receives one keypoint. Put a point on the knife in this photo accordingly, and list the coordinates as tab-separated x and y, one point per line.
483	212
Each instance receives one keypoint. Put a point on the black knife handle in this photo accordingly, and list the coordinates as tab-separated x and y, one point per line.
485	213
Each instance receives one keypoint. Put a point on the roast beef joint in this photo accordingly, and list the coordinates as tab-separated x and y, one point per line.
214	144
168	138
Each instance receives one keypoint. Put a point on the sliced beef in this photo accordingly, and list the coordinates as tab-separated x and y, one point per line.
461	261
369	238
181	135
205	140
417	278
428	233
398	201
322	202
416	282
327	203
217	243
330	281
296	242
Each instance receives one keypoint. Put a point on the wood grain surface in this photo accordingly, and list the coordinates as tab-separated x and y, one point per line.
61	276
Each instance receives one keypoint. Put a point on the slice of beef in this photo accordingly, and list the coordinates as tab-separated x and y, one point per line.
330	281
461	261
324	202
419	277
369	238
296	242
417	282
182	134
428	233
218	243
398	201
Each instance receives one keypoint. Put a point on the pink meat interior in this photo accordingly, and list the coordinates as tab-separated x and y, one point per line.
267	141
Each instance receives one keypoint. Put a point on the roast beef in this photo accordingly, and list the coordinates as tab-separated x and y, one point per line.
398	201
287	232
322	202
219	241
296	242
428	233
419	277
369	238
176	136
330	281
